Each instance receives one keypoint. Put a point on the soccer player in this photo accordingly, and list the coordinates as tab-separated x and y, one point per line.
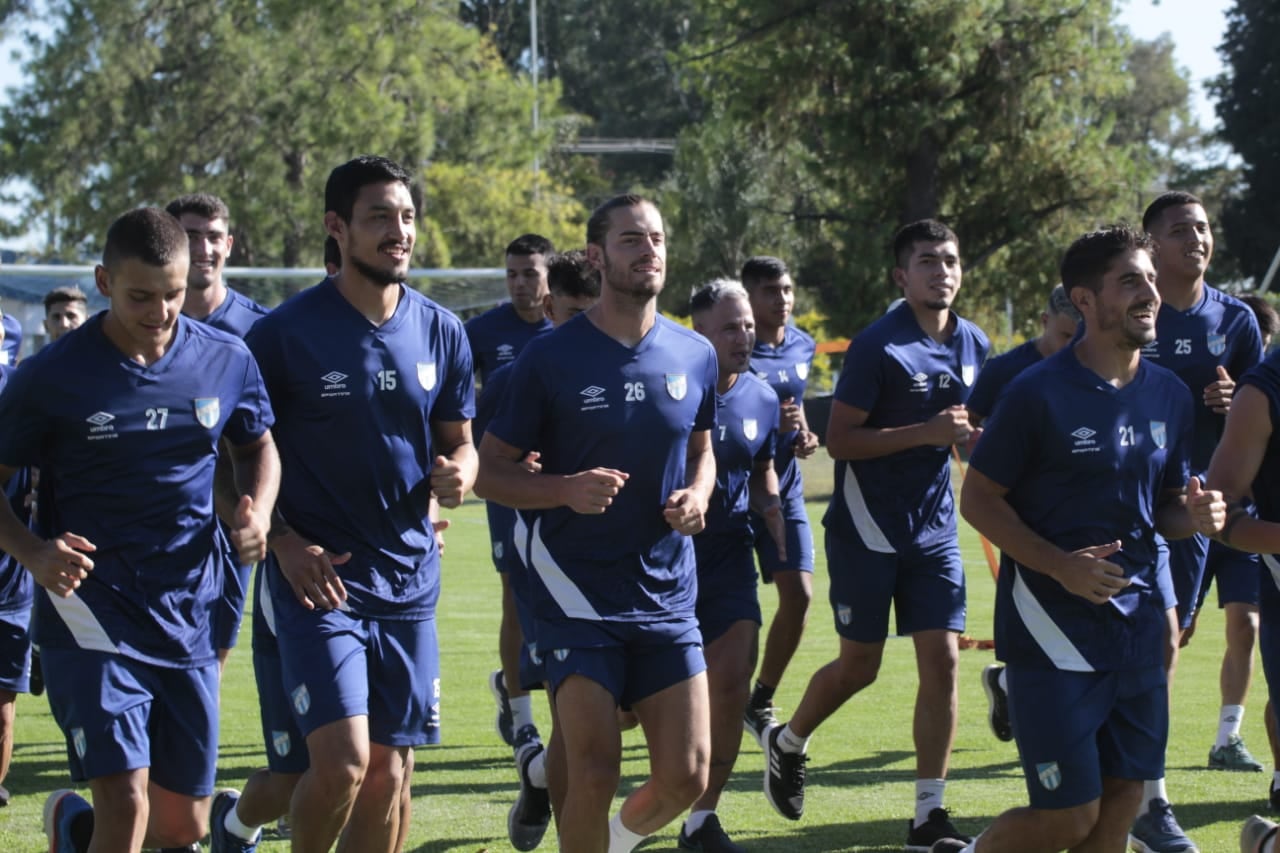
1207	338
783	356
891	526
620	403
10	339
728	608
373	387
16	596
497	336
129	566
65	308
1084	460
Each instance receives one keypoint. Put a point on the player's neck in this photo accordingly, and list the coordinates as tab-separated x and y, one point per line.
147	353
377	302
625	320
1042	346
774	336
726	382
532	316
936	323
1180	294
1114	362
199	304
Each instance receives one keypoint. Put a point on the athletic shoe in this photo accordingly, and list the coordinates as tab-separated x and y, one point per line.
1273	796
4	796
1256	832
61	810
1157	831
498	688
948	845
220	838
936	827
783	776
756	719
282	827
1234	756
529	815
997	702
710	838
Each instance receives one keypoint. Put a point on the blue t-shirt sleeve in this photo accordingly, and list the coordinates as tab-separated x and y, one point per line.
861	374
983	397
457	400
1249	353
520	412
1177	468
769	448
1008	438
706	417
252	415
25	424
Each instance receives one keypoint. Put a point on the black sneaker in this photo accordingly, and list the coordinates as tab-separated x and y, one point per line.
710	838
531	813
502	722
997	702
783	776
948	845
757	719
937	827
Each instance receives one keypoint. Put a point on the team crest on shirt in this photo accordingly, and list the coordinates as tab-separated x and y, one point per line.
1050	775
677	385
208	411
281	743
427	375
301	699
78	741
967	372
1158	433
1217	343
802	370
750	428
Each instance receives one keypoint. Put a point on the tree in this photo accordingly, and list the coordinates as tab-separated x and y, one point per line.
136	101
1248	96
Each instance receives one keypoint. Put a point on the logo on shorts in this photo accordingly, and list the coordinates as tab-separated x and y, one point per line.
1217	343
560	654
301	699
677	385
533	654
750	428
802	371
208	411
77	740
1050	775
844	613
919	383
1158	433
335	384
281	743
427	375
497	550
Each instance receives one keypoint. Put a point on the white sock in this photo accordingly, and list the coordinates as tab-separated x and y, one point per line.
1229	720
239	829
789	741
1275	778
1152	789
621	839
1003	679
538	770
928	797
521	712
696	820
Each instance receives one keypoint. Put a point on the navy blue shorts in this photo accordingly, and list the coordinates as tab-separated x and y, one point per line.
799	539
1236	574
285	743
230	610
1187	559
15	650
727	590
632	660
1269	625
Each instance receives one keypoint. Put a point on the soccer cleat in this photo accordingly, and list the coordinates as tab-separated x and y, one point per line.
783	776
221	840
948	845
498	688
61	810
997	702
1157	831
1256	832
756	719
710	838
531	813
936	827
4	796
1234	756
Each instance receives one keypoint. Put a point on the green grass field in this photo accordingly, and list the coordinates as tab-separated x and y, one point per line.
860	773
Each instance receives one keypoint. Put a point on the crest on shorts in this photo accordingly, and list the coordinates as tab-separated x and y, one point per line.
78	741
533	653
560	654
1158	433
677	385
1217	343
844	613
207	411
497	550
802	371
427	375
281	743
1050	775
967	372
301	699
750	428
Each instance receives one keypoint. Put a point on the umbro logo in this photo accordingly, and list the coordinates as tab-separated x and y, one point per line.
920	382
591	391
1083	433
1084	442
100	419
335	384
101	426
333	377
592	398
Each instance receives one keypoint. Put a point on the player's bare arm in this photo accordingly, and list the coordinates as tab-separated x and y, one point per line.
1235	464
1184	512
763	492
453	473
848	437
686	509
1085	573
256	473
58	564
792	419
1218	394
506	477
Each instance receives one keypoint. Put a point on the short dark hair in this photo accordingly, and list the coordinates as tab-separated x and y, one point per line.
1088	258
1164	201
713	292
1060	304
59	295
530	244
921	231
346	181
598	223
762	268
571	274
1264	311
147	233
201	204
332	254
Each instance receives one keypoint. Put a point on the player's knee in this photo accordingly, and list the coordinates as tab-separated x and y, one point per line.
1066	829
600	778
177	828
339	772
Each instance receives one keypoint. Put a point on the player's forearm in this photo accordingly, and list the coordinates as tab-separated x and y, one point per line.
1252	535
257	472
700	470
468	461
510	483
1173	520
762	489
862	442
16	538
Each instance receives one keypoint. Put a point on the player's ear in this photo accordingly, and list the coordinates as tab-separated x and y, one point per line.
595	256
900	276
101	280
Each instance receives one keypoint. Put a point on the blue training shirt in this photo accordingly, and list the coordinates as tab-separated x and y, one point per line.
583	400
1266	484
17	587
502	519
786	369
997	373
498	335
236	315
126	454
745	433
355	404
900	376
1085	464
